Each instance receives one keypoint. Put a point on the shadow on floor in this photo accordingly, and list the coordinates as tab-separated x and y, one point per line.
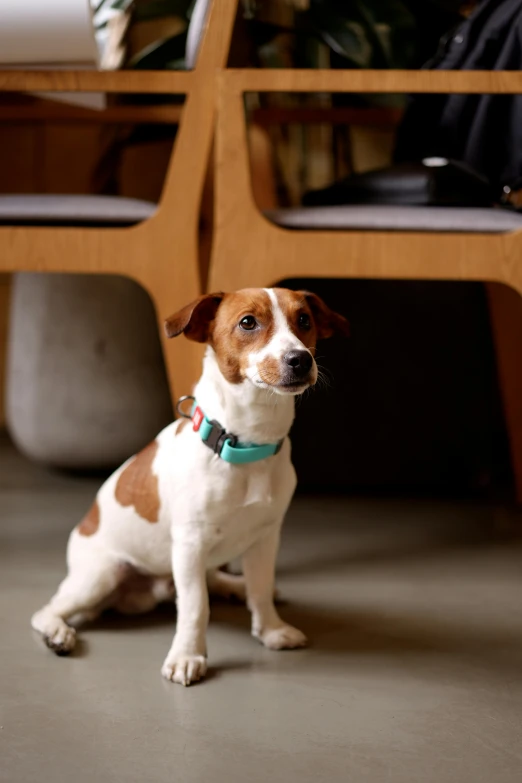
351	632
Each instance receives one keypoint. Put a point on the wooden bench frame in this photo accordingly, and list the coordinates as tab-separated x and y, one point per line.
161	253
249	250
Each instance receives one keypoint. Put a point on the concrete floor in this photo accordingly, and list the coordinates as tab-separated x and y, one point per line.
415	673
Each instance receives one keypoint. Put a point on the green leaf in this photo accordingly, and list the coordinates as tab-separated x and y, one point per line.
161	54
120	5
117	5
369	33
156	9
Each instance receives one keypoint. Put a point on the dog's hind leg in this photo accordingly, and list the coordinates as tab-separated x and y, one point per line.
229	586
88	583
141	594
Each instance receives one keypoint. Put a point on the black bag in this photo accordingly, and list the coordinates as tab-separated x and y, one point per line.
434	182
480	136
484	131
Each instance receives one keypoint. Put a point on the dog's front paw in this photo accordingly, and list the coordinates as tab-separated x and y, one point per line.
184	669
58	636
284	637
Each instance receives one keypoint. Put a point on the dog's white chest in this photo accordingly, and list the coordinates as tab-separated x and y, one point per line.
233	506
230	533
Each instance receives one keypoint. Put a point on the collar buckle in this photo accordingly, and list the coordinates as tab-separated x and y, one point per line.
217	437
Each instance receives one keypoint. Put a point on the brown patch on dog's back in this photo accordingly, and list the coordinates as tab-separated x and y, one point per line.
138	486
233	345
91	521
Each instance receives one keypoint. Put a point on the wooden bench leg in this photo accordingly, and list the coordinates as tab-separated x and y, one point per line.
505	307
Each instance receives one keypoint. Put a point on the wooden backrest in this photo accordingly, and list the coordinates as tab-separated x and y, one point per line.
233	183
211	31
189	161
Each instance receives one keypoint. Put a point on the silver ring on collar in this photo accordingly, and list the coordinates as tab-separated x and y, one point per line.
180	402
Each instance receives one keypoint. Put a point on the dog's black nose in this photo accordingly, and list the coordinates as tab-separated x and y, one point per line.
299	361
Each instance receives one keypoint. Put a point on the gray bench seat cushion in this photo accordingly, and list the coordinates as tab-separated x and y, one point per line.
396	218
73	210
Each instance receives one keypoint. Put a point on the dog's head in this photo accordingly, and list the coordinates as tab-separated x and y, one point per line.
265	336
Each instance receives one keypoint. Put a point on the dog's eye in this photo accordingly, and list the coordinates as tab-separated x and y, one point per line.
304	322
248	323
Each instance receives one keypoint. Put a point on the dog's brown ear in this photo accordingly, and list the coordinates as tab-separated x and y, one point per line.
327	321
195	320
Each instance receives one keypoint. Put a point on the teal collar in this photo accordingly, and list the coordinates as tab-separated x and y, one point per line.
223	443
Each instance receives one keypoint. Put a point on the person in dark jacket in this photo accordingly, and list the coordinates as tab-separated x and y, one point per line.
484	131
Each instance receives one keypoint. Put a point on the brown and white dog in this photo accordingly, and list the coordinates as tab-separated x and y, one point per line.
176	512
